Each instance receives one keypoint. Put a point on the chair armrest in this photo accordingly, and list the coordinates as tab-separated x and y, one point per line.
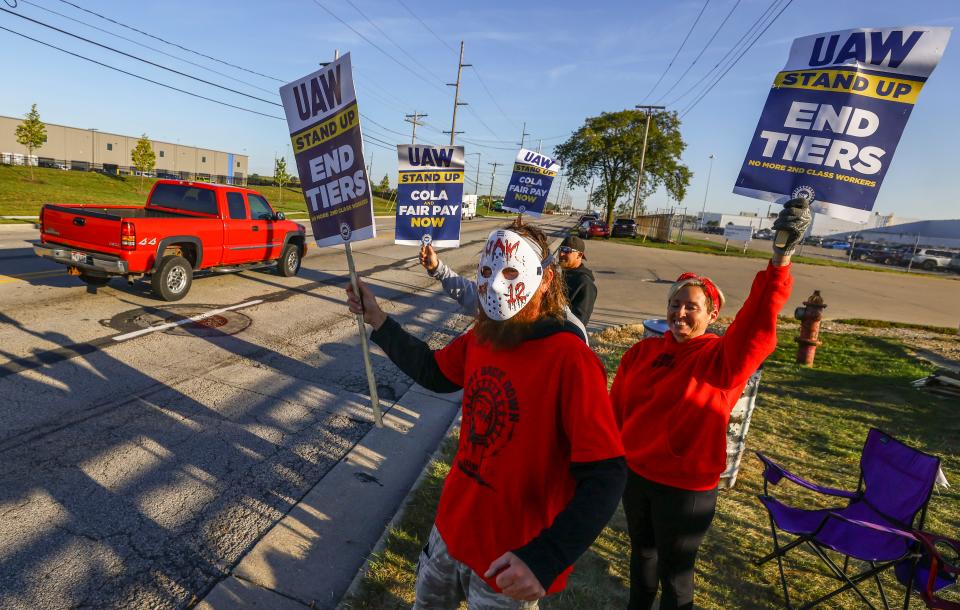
774	472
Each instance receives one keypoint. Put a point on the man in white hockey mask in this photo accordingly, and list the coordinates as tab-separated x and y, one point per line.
539	455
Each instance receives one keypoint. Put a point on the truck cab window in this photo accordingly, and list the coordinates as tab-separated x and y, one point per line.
238	210
259	208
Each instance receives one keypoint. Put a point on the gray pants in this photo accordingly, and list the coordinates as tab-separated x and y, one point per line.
443	582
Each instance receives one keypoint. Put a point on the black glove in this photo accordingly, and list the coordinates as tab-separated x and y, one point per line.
793	221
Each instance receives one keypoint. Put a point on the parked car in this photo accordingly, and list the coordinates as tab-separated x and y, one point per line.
763	234
955	264
835	244
863	250
593	228
185	227
930	259
713	229
812	240
624	227
588	216
893	255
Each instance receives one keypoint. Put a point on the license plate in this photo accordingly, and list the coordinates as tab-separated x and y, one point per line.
78	257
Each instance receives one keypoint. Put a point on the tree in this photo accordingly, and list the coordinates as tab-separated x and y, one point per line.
280	175
607	148
143	157
31	133
384	184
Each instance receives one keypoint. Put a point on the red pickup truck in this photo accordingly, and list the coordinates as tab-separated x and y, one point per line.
185	227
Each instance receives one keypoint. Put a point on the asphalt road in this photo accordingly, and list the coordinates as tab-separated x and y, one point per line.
139	467
138	470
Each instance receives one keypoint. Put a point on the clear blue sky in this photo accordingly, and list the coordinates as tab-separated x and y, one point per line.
550	65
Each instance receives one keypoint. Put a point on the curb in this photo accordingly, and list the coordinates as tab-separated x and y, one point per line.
401	511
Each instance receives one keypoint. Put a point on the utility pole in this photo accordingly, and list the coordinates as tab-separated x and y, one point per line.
643	153
705	193
560	191
415	120
539	144
523	134
456	96
476	184
492	175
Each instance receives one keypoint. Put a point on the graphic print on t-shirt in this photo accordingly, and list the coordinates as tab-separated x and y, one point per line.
490	413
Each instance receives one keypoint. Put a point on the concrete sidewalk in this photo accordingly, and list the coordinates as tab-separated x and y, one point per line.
311	556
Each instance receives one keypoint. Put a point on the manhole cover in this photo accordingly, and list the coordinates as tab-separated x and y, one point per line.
216	325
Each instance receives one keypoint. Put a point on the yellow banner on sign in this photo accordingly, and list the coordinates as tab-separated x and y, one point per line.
340	123
445	177
879	87
533	169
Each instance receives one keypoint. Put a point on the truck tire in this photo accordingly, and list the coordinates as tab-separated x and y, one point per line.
172	280
929	264
94	280
289	263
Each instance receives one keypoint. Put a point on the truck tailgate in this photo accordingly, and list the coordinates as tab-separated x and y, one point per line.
89	228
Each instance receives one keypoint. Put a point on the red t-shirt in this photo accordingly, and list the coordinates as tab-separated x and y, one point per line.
673	400
527	414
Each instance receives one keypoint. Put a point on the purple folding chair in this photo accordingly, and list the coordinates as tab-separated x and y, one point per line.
893	491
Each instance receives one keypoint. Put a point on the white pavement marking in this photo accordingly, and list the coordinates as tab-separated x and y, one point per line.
195	318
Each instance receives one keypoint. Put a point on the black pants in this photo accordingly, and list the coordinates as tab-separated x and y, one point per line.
666	527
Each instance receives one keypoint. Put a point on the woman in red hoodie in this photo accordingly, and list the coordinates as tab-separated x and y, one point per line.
672	397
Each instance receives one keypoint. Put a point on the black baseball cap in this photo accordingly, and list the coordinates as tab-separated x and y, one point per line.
572	241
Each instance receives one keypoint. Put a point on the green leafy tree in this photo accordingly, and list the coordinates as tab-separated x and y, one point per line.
280	175
384	184
143	157
31	133
607	148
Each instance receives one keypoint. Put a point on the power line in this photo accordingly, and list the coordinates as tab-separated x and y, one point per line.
700	54
140	59
427	27
392	41
145	46
736	61
226	63
732	50
374	45
690	31
144	78
493	99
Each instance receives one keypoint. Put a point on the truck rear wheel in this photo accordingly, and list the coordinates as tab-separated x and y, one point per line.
289	263
172	279
94	280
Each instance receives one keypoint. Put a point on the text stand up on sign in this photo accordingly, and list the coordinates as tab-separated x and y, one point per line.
361	327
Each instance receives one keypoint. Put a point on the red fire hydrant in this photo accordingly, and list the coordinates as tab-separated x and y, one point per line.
810	316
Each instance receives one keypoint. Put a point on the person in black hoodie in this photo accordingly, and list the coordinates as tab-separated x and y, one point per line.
581	289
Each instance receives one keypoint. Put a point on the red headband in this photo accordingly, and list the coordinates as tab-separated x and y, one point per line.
709	288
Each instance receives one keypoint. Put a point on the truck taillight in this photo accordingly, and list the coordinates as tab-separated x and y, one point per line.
128	236
41	221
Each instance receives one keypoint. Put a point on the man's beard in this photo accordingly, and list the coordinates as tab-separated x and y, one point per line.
508	334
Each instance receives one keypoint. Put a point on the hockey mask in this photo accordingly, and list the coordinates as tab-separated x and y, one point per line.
509	274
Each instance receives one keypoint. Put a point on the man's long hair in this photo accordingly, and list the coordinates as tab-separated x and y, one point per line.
507	334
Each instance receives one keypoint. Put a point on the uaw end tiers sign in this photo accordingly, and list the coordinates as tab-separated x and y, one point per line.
324	123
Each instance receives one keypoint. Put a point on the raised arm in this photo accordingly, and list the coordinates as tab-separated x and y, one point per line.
411	355
458	288
753	334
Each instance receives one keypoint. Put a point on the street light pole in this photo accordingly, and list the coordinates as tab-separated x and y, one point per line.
648	110
706	192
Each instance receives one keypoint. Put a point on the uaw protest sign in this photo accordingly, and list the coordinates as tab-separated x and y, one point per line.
324	124
533	173
429	195
834	117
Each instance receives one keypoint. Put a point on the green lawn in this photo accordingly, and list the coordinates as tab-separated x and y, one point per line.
813	420
703	246
21	196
